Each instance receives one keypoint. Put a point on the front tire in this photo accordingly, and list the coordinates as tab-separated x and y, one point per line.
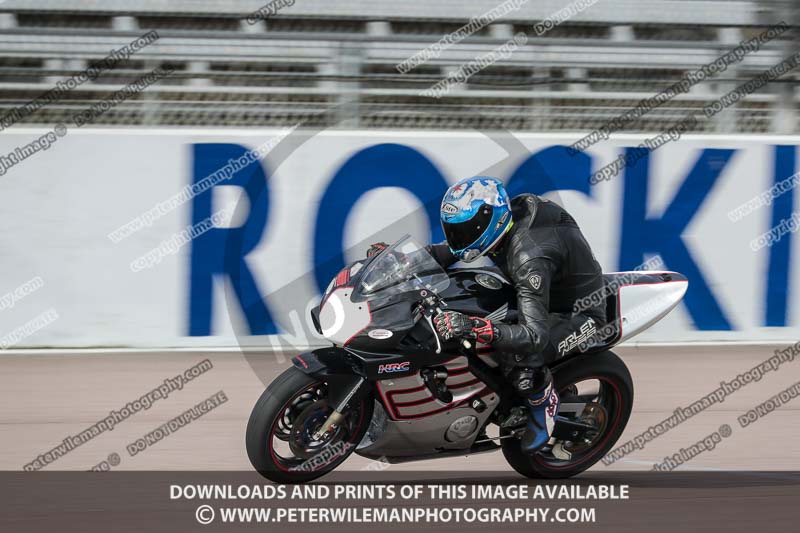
298	397
607	369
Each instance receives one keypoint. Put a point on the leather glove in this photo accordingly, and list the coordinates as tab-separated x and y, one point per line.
452	324
376	248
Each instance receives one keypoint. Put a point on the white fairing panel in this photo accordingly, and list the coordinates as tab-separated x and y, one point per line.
641	306
341	319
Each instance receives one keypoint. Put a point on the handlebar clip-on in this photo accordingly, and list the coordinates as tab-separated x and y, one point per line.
431	305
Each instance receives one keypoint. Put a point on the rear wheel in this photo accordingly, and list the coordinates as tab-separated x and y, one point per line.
603	383
280	433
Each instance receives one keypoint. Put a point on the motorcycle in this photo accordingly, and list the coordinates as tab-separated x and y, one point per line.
391	389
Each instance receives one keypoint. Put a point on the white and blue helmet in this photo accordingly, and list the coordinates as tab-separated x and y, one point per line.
475	214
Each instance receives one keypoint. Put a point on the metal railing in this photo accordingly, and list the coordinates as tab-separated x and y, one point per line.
230	73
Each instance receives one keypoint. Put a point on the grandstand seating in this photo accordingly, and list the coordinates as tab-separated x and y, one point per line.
332	63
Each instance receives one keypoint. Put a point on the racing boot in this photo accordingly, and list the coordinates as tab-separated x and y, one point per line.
542	403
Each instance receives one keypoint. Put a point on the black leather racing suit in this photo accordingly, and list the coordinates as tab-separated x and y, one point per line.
551	266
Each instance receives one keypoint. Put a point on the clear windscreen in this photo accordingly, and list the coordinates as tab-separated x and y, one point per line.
403	267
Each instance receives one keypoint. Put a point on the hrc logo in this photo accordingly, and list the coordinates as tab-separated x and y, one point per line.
394	367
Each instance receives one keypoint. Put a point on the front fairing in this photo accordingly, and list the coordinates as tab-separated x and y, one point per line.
402	268
371	303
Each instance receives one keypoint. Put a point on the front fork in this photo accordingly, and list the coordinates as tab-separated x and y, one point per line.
335	418
344	385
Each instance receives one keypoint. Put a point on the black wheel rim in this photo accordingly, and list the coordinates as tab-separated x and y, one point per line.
291	441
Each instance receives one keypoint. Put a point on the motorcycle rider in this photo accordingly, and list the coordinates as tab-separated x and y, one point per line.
541	249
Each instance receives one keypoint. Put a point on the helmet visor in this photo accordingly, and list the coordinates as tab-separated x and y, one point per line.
461	234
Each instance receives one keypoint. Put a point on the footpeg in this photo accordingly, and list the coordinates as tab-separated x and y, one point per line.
517	417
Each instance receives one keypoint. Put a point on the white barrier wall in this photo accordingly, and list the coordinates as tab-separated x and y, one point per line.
246	276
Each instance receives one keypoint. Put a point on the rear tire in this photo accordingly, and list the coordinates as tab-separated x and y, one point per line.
263	421
606	367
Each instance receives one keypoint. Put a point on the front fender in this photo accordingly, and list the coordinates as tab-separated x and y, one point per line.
335	367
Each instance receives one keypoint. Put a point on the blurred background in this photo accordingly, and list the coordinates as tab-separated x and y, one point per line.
384	163
332	63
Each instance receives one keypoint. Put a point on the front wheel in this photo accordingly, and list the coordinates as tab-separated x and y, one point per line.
280	433
603	384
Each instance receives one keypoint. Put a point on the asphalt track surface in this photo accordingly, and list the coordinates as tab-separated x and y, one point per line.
46	397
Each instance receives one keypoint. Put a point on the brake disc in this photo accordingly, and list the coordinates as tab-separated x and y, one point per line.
596	416
301	441
283	430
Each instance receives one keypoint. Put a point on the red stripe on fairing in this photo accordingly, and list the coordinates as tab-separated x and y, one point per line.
387	397
406	391
464	384
392	407
419	388
482	392
431	398
342	277
413	403
454	372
